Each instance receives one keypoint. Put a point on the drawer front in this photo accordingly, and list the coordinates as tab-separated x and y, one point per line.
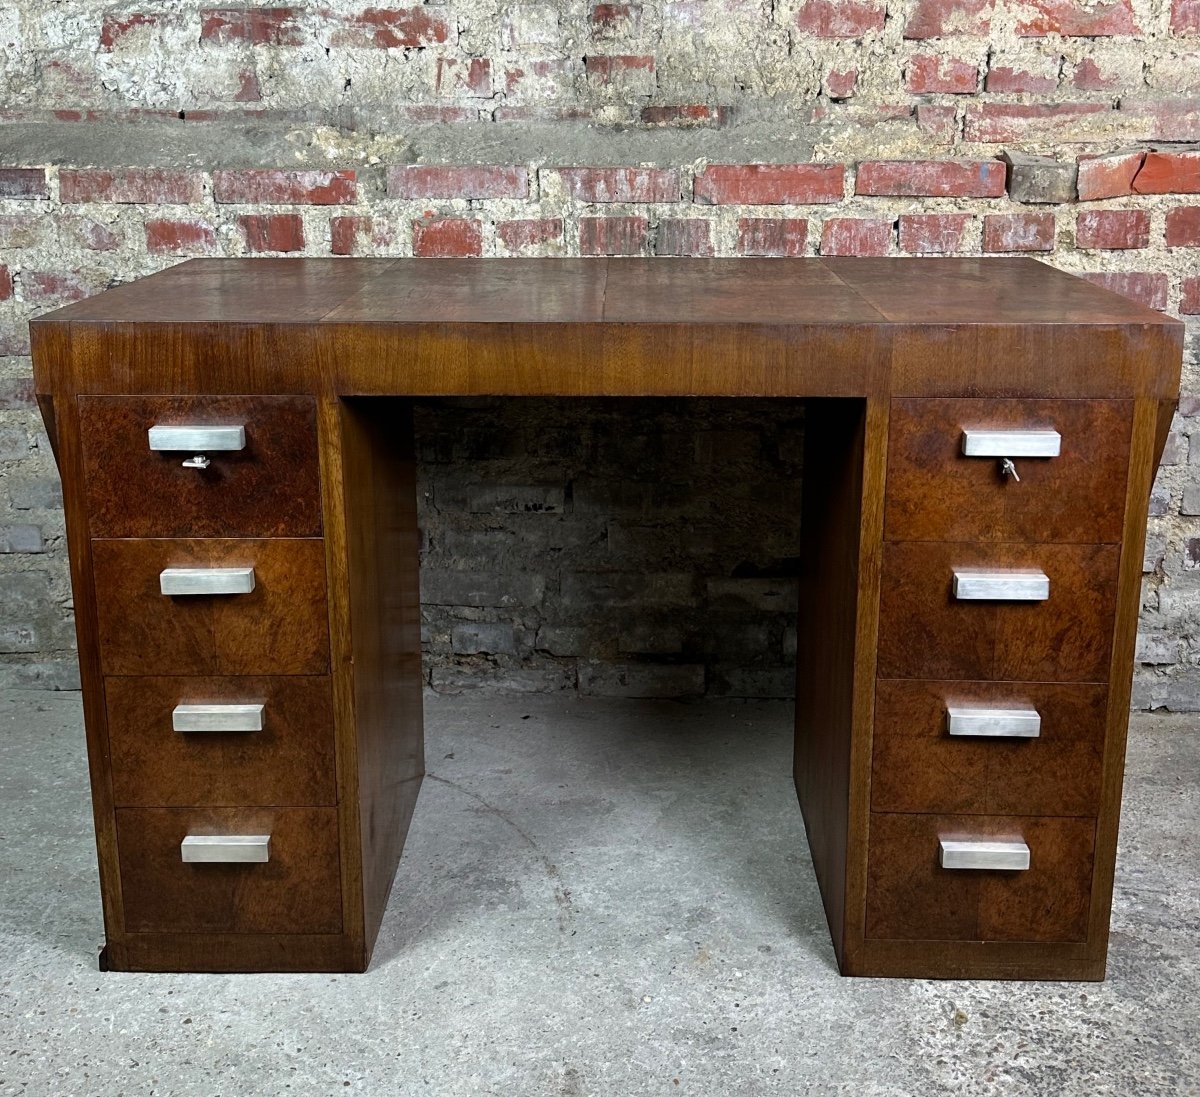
280	627
918	766
925	631
910	896
935	492
258	741
267	488
296	890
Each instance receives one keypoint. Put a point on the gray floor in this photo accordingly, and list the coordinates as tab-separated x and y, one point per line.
598	897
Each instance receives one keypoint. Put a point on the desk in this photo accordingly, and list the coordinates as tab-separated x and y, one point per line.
236	450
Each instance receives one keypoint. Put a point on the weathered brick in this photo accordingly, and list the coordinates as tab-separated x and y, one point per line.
115	28
613	235
6	283
684	236
23	183
1162	119
930	73
770	184
457	181
840	83
35	493
14	444
1009	79
1040	179
272	231
346	234
19	638
21	539
856	236
932	233
40	287
635	71
1169	173
938	122
1110	175
531	235
651	639
943	18
1183	227
601	184
686	115
16	394
1073	19
1146	288
253	26
1113	229
1185	16
1018	232
483	638
608	21
772	236
840	18
997	122
447	237
22	231
472	77
175	236
1089	76
278	186
447	587
132	186
391	28
641	680
1189	296
931	178
83	232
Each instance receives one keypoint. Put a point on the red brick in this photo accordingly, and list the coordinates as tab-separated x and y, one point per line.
1189	296
932	233
136	186
621	184
249	90
783	236
841	83
277	186
1163	119
1022	121
942	18
937	121
1018	232
1147	289
447	238
52	287
452	78
530	233
614	20
930	74
840	18
604	69
346	232
856	236
254	26
1088	76
612	235
1005	78
1185	17
115	27
457	181
770	184
272	231
1109	176
1183	227
931	178
1113	229
6	285
686	114
684	236
1074	19
1169	173
180	237
392	28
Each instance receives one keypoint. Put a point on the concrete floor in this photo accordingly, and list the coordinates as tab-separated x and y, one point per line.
598	898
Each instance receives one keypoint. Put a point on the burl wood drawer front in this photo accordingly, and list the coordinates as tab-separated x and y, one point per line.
297	890
279	754
937	493
280	627
911	897
268	488
918	766
926	632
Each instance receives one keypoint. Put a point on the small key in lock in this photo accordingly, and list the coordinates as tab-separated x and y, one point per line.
1007	468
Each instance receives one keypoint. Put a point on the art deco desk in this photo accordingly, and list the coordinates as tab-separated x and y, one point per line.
236	451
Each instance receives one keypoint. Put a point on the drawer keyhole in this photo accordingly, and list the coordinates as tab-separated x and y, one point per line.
1007	468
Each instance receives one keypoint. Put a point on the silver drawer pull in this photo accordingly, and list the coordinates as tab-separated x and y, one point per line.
226	849
958	853
217	718
174	581
196	439
999	723
1001	585
1011	443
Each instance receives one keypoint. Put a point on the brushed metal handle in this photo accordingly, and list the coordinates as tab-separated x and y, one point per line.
983	853
217	718
999	723
175	581
226	849
1001	585
1011	443
196	438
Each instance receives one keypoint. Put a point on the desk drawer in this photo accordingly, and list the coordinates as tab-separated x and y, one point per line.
918	766
296	890
267	487
275	747
910	896
925	631
280	626
935	492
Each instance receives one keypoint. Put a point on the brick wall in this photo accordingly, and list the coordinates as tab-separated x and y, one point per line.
134	136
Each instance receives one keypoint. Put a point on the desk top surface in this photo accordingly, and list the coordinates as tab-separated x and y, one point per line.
774	292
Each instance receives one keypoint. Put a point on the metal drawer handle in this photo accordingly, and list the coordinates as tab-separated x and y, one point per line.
226	849
199	440
1001	585
175	581
1007	444
217	718
986	853
1000	723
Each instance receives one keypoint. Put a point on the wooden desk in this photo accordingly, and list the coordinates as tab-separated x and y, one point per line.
906	633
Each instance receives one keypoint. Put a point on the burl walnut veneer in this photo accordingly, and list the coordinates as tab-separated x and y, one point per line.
236	446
